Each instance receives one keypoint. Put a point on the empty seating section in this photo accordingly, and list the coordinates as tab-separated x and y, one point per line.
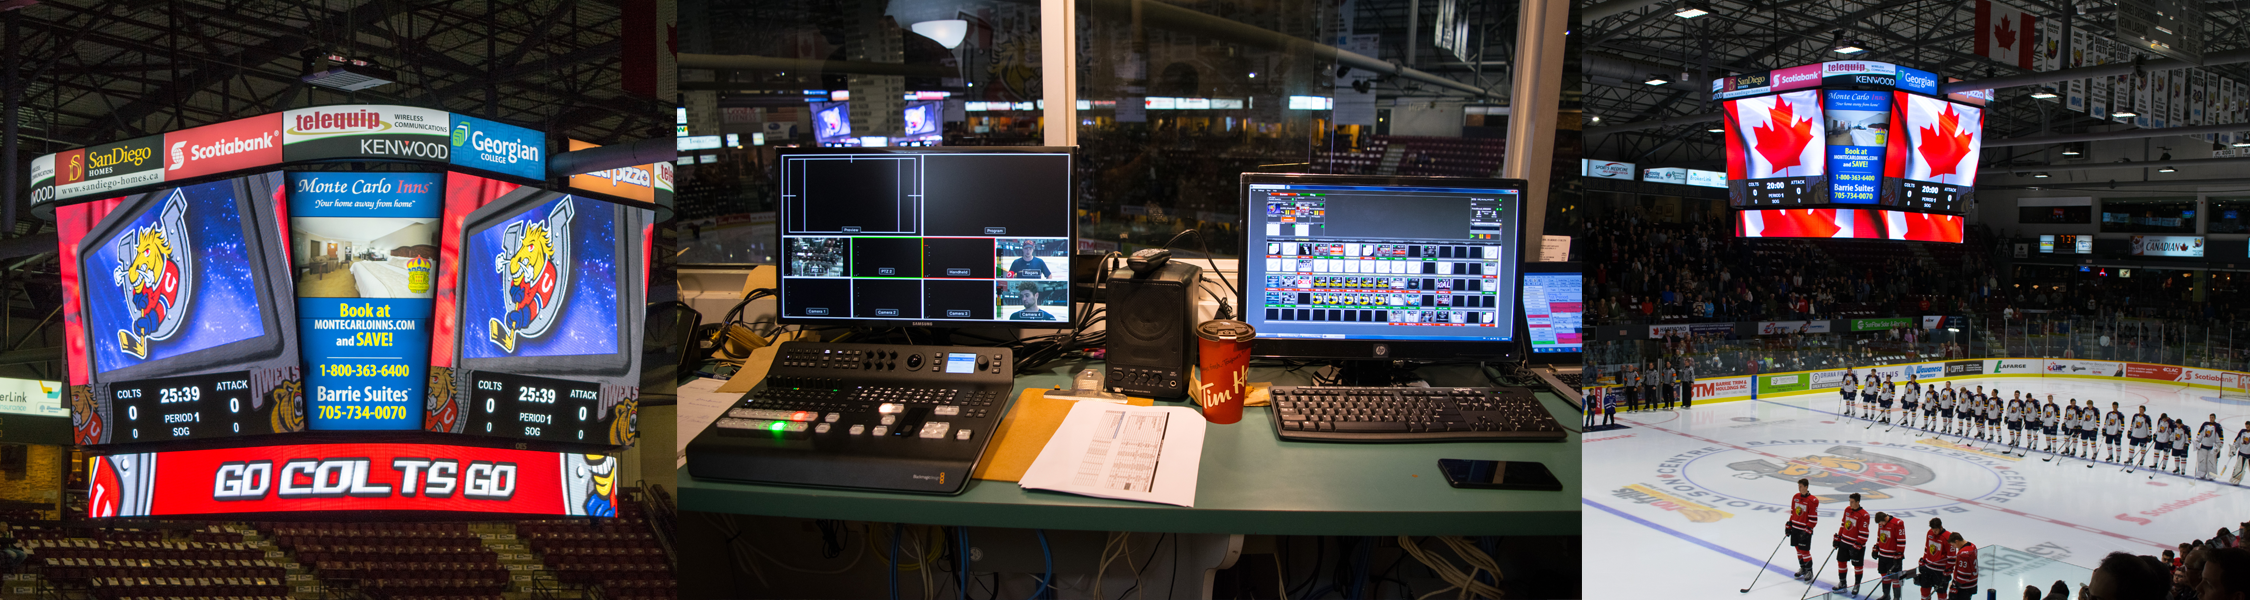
621	556
1418	156
397	560
128	564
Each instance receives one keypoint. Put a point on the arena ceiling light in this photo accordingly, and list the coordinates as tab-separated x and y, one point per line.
2039	174
2043	93
1690	10
337	72
2124	114
1847	44
1657	79
1717	130
947	32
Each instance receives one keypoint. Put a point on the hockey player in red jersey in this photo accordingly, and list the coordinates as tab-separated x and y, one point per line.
1890	554
1964	569
1851	545
1804	513
1937	560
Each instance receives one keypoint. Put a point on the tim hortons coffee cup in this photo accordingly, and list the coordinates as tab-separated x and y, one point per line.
1223	368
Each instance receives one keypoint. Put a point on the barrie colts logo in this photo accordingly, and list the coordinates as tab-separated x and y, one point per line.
534	264
158	275
590	485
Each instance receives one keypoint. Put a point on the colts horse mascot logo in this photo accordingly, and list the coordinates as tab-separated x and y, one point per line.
535	264
158	274
1847	469
590	485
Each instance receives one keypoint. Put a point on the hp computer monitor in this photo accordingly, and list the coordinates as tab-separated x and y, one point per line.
951	237
1375	267
1554	312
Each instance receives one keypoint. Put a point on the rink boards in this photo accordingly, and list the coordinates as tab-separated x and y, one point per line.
1790	383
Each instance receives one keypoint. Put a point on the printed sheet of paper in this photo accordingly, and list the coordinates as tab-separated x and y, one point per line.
1147	454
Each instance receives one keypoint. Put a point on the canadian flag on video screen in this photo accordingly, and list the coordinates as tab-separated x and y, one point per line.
2007	34
1808	223
1921	227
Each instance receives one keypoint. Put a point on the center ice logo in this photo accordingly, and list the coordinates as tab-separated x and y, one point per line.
158	275
533	261
1845	469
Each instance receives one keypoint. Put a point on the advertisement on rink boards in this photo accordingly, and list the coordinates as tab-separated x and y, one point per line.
2088	368
352	477
1656	332
1826	379
1785	327
1784	383
1721	388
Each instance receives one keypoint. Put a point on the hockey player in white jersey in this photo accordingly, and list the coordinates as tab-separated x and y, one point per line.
2138	435
2208	439
2241	453
2113	432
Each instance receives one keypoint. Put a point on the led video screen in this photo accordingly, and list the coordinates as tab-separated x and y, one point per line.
1848	223
353	478
1932	161
177	322
1774	158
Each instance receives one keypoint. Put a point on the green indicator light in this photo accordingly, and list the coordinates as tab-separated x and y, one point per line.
777	425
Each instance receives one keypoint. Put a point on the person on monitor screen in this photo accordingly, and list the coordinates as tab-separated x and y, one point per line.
1804	514
2113	433
1964	568
1027	266
1028	294
1937	560
2209	438
2241	461
1851	545
1890	554
2137	434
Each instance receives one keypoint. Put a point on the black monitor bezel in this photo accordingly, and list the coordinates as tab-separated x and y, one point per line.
781	233
1266	347
1523	317
577	367
279	317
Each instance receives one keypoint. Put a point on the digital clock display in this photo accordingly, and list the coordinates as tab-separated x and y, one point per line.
191	407
522	406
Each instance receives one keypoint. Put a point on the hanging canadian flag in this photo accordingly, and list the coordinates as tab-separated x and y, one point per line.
2007	34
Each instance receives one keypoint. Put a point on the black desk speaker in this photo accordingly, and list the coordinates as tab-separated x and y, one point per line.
1151	345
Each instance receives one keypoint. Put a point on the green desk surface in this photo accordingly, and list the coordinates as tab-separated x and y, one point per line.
1250	483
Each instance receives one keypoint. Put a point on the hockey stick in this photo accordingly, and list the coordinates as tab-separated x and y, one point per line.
1814	576
1769	562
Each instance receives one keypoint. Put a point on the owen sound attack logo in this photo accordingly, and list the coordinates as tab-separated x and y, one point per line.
157	273
534	263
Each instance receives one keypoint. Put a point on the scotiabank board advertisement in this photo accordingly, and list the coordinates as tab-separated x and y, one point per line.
179	313
1774	155
229	146
366	259
1936	169
313	478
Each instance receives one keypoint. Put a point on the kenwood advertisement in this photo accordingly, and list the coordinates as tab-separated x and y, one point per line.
365	131
339	478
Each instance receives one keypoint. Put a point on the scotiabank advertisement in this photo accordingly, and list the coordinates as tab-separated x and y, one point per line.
352	477
233	145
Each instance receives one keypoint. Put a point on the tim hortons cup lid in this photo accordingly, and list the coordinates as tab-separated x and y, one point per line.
1225	330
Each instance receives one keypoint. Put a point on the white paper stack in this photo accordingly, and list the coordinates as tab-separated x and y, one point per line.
1139	453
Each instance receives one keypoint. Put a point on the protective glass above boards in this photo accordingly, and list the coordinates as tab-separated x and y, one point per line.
320	133
926	236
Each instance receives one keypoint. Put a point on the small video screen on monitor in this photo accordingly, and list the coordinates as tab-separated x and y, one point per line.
953	237
922	124
1386	259
540	301
1554	308
178	320
832	124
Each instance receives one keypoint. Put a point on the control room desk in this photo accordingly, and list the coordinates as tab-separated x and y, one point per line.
1250	483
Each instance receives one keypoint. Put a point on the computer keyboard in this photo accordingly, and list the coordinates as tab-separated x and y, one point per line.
1574	380
1392	414
865	416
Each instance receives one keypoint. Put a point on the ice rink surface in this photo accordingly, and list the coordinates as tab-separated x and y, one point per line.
1689	503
